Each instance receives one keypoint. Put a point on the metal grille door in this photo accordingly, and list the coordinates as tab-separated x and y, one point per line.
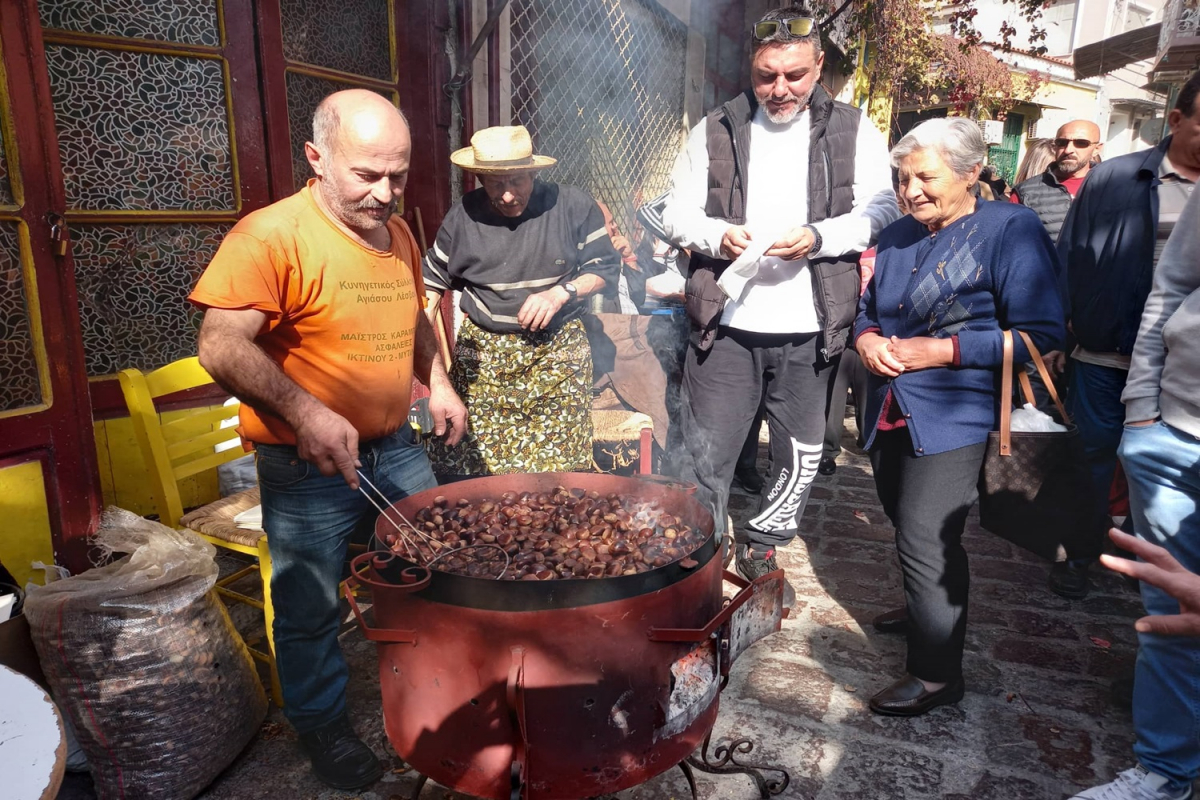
600	85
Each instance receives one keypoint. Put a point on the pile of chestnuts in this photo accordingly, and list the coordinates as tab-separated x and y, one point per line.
558	534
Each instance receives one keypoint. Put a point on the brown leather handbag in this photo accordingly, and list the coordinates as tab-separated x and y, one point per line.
1034	488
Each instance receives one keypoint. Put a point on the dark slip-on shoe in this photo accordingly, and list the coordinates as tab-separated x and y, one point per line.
908	697
895	621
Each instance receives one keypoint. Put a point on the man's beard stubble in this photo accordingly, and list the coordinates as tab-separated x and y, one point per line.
784	117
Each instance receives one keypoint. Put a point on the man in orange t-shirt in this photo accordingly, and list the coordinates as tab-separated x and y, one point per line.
313	319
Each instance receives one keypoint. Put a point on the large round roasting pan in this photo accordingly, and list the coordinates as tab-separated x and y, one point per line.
549	689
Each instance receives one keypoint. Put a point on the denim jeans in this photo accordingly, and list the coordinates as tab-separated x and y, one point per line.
309	520
1094	403
1162	465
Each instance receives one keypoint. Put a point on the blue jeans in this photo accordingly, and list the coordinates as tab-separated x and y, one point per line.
309	520
1094	403
1162	465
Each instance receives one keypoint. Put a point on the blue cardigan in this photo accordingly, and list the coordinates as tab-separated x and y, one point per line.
992	270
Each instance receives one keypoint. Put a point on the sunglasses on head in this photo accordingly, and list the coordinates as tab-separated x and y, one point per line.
1079	143
796	26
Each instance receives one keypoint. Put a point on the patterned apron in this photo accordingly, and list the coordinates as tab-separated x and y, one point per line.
528	403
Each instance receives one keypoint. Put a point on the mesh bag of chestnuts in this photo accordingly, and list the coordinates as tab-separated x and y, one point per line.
142	657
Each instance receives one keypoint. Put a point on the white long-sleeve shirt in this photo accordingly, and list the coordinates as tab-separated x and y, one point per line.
779	298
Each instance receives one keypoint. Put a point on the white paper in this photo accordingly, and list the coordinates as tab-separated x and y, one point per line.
6	606
735	277
250	519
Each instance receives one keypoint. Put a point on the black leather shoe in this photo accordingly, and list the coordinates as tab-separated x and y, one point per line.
907	697
828	466
753	564
750	480
1069	579
339	757
895	621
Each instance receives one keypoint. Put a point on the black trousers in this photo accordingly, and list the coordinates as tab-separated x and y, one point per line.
721	392
927	499
851	374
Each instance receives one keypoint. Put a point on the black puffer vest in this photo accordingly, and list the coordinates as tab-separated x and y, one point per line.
1049	198
831	154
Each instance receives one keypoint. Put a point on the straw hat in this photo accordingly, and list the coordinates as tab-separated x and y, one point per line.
494	151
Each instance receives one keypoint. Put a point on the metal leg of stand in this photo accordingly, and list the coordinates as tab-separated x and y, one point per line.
686	769
725	762
421	779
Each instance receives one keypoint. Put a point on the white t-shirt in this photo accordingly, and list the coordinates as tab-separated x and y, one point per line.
779	298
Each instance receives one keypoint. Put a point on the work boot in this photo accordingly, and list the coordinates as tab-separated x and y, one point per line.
1069	579
753	563
339	757
1136	784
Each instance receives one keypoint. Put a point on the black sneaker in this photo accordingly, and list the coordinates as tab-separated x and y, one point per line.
1069	579
752	564
828	466
339	757
750	480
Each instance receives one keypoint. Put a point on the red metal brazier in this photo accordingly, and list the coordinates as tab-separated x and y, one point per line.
550	689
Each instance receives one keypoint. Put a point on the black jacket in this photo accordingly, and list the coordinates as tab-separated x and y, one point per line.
833	143
1049	198
1107	250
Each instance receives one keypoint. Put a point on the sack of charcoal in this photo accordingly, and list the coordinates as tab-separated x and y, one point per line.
140	654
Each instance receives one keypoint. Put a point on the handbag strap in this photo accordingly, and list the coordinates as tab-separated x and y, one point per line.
1006	385
1045	375
1006	396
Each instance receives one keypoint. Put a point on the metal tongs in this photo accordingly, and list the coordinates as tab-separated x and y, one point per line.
401	523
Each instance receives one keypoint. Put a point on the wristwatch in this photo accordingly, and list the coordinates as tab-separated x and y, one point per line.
570	290
816	245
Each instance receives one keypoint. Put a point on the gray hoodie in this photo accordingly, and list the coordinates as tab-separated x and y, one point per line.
1164	374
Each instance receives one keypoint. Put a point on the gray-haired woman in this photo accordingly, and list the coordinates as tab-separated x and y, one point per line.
949	278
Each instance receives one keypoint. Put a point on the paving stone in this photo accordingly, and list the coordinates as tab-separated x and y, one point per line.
792	689
1042	745
866	770
1039	654
1040	624
1003	787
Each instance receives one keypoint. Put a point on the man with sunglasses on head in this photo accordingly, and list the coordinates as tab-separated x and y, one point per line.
1110	243
801	184
1050	194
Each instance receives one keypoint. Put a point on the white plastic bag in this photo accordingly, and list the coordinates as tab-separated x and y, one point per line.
141	656
1028	419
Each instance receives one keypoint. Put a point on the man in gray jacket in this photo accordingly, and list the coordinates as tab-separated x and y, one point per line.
1160	451
794	186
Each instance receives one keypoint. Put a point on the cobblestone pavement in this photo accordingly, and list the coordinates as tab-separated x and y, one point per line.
1037	721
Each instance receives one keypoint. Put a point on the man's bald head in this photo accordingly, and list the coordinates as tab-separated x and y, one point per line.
357	113
360	154
1074	146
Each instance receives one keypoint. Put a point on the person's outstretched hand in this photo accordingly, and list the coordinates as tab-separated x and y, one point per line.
1159	568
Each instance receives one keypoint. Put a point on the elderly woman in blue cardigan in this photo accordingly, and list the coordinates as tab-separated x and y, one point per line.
950	278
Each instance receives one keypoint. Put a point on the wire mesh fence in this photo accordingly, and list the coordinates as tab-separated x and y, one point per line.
600	85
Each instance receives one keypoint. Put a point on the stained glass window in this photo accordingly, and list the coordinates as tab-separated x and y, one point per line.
133	282
183	21
346	35
141	131
20	386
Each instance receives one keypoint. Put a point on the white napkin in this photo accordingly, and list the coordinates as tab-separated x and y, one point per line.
250	519
6	606
735	277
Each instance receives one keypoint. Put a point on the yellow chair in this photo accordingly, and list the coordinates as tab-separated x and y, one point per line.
183	447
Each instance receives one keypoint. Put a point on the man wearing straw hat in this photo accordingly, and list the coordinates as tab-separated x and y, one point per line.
312	319
524	254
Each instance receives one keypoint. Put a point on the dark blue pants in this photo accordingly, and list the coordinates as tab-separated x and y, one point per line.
1094	403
